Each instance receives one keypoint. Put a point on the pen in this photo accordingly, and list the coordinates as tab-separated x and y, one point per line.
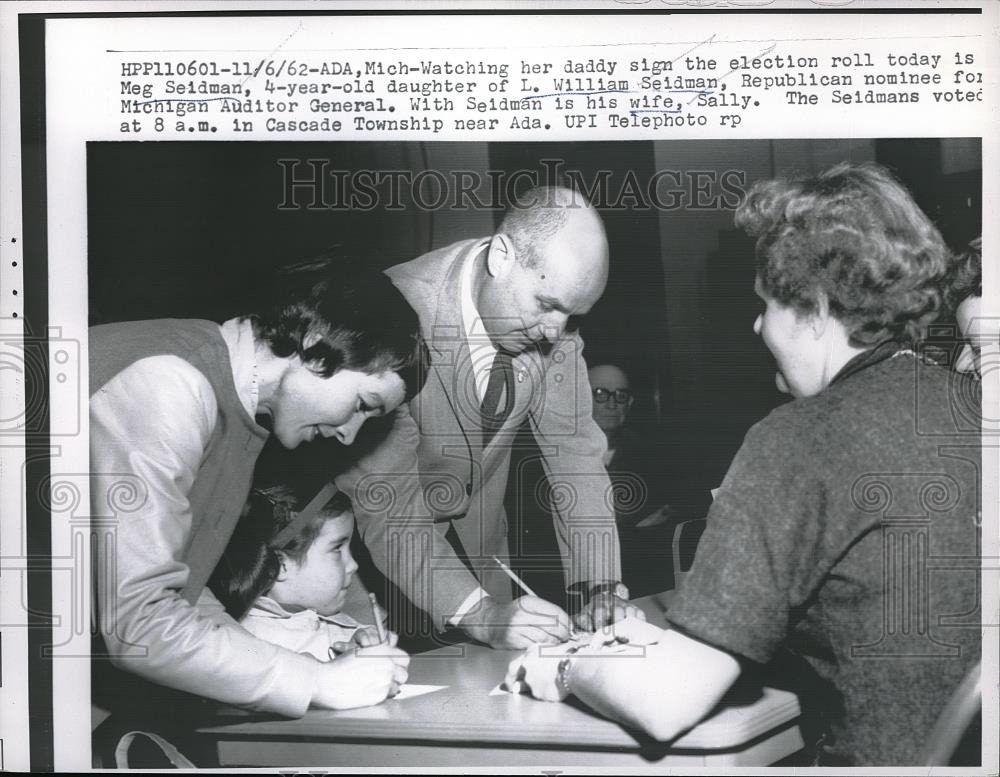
513	576
524	587
377	618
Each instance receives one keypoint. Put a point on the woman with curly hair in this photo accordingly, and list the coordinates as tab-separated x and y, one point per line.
820	540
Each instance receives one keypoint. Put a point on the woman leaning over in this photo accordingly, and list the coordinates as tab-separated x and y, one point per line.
837	504
180	410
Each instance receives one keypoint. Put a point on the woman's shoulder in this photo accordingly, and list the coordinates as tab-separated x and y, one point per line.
903	389
163	381
802	426
902	395
189	349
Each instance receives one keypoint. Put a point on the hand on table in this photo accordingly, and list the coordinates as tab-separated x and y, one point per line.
631	631
537	670
604	609
360	678
518	624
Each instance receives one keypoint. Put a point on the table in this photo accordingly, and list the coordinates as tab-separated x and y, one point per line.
463	726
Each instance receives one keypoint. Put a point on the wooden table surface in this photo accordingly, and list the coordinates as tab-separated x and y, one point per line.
463	725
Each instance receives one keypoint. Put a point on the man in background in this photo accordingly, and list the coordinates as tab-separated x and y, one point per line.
640	479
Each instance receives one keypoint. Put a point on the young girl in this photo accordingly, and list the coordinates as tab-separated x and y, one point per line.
284	577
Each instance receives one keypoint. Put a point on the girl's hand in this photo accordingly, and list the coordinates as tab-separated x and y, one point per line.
366	636
361	678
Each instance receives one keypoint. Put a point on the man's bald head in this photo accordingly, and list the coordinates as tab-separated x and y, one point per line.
547	263
542	213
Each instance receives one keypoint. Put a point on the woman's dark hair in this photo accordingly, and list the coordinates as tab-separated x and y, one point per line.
250	565
853	235
967	273
351	319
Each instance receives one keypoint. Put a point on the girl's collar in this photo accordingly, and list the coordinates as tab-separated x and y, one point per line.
266	605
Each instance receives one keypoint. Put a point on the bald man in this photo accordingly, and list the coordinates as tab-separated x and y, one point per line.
497	313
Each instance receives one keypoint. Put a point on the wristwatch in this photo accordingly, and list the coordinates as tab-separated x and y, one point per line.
616	588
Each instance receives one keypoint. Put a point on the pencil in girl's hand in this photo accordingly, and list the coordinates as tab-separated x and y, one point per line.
513	576
382	638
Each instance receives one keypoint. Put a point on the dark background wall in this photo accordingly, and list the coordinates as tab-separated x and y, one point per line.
189	229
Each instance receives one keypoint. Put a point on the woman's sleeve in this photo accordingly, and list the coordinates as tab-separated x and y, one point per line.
762	553
150	426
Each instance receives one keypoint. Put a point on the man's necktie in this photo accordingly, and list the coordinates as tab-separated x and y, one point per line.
500	385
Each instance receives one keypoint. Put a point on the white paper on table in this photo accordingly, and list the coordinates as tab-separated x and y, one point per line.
409	690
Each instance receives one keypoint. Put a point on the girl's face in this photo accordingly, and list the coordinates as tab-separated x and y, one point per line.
319	581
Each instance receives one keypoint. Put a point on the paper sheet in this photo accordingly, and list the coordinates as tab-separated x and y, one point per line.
409	690
501	691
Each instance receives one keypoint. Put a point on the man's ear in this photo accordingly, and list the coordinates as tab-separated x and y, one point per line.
500	256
